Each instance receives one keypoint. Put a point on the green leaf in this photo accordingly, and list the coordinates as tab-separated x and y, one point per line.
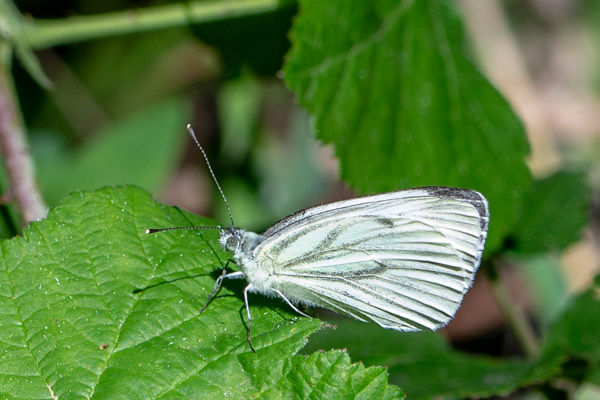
337	379
141	150
426	367
391	84
554	213
575	336
91	306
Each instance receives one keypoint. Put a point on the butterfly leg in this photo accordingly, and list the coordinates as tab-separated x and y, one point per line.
219	282
290	303
246	289
249	289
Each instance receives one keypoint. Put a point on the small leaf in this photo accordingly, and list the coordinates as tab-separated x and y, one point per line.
575	335
91	305
554	213
391	84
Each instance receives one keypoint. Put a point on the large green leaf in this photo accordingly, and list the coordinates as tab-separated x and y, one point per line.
92	307
391	84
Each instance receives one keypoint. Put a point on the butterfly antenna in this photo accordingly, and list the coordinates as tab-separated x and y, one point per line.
191	131
154	230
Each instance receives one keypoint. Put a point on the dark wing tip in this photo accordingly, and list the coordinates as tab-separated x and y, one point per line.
473	197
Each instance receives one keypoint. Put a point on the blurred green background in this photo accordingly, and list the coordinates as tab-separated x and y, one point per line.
119	106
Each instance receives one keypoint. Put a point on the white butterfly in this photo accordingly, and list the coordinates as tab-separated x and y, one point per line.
403	260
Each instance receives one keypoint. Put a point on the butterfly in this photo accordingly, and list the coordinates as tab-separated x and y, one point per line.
403	260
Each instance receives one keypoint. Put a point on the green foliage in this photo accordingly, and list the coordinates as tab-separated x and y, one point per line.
139	149
393	87
426	367
575	337
91	305
553	215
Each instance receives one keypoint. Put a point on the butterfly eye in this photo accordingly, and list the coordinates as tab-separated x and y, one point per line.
232	243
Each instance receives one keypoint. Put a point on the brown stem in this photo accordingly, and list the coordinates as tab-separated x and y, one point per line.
15	153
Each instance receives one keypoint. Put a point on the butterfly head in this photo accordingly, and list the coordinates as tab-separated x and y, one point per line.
231	239
239	242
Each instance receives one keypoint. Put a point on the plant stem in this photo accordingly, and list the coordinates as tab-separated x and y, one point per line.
517	319
15	151
39	34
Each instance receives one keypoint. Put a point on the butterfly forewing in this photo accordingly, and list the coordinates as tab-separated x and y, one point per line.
403	259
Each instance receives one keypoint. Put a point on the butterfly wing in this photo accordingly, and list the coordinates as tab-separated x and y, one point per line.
402	259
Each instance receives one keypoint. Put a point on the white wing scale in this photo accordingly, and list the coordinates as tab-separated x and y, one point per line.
402	259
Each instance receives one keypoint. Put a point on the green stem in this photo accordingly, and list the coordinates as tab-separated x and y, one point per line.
517	319
39	34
